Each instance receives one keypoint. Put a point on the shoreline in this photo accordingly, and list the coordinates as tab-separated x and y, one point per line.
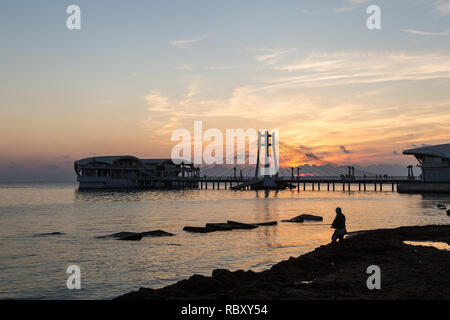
332	272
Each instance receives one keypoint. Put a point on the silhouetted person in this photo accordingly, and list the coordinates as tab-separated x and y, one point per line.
339	226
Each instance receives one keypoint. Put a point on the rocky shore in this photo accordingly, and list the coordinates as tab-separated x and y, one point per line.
333	272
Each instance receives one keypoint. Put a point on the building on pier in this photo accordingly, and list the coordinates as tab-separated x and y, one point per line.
129	172
434	162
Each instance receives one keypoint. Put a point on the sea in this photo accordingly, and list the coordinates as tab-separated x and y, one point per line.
34	265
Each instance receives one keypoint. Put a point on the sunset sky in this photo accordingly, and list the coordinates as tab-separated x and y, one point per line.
137	70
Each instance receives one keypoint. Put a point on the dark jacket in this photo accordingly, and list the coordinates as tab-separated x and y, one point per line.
339	221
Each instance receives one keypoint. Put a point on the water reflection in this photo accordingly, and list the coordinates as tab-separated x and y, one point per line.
434	244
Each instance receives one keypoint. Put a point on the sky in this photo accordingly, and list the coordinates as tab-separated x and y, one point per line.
138	70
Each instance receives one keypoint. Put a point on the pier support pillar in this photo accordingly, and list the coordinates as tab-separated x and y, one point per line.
392	187
375	186
333	186
364	186
313	186
318	186
328	186
381	186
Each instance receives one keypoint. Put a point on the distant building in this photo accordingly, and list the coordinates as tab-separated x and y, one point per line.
129	172
435	166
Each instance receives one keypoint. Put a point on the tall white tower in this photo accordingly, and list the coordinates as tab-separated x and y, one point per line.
266	141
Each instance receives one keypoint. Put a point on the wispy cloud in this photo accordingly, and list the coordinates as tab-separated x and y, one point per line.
185	43
343	68
426	33
157	102
270	56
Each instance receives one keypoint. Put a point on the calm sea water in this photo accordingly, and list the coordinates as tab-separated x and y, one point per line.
34	267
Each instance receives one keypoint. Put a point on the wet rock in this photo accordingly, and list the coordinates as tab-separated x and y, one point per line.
293	220
448	212
131	237
50	234
304	217
441	206
196	229
230	225
270	223
240	225
219	226
156	233
125	235
310	217
119	235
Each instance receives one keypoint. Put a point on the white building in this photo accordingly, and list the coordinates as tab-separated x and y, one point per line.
129	172
435	165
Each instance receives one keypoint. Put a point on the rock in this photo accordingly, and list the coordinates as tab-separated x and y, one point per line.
156	233
219	226
131	237
240	225
196	229
304	217
296	219
448	212
230	225
50	234
270	223
310	217
119	235
441	206
125	235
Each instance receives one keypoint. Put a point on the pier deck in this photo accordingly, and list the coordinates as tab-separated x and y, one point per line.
299	183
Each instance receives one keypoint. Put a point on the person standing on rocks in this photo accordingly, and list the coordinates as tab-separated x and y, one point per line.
339	226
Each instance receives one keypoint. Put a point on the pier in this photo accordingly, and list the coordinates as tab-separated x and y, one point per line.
297	183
